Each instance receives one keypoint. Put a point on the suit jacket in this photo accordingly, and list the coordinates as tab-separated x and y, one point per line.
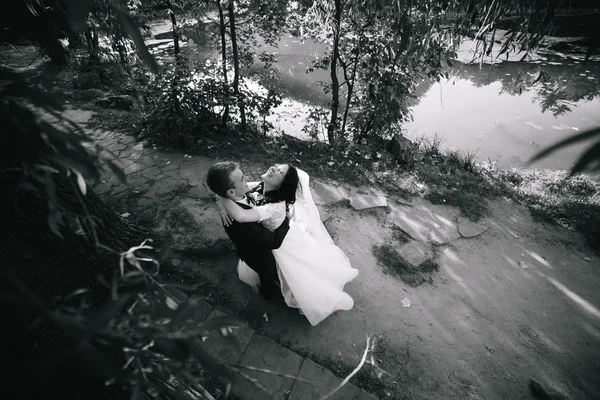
254	243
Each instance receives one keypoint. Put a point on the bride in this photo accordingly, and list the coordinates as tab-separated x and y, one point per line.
311	268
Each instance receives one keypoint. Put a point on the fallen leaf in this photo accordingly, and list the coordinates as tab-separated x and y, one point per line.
172	304
406	302
125	215
523	265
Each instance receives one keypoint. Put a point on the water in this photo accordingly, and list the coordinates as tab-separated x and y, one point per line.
504	127
481	109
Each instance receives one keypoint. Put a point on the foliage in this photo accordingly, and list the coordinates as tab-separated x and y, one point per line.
42	23
179	106
589	160
150	343
126	341
183	104
385	47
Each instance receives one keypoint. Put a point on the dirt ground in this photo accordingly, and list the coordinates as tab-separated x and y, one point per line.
520	301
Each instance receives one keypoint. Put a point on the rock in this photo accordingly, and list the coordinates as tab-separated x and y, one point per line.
326	194
78	116
361	200
469	228
415	252
119	102
191	225
402	149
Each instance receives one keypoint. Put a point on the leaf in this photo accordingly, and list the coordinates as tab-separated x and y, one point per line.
104	316
78	15
593	153
172	304
46	168
563	143
81	183
130	28
53	223
405	302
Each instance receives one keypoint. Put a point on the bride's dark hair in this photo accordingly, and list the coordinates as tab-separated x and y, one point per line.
287	190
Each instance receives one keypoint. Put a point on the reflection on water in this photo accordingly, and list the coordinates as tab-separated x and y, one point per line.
494	112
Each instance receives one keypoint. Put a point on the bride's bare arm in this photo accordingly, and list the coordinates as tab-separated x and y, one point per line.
238	213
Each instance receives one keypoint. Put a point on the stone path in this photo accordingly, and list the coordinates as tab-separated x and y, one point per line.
258	351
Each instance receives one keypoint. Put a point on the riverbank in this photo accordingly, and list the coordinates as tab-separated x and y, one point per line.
420	168
438	336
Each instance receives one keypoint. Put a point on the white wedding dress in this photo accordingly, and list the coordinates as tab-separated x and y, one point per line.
311	268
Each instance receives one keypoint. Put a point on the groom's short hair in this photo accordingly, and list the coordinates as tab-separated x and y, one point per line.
217	177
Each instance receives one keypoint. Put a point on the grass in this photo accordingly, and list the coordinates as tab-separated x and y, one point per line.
394	264
557	198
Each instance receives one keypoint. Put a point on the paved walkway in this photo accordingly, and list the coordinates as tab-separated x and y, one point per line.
258	351
151	173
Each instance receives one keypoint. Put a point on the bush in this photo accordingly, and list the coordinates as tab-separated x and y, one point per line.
177	107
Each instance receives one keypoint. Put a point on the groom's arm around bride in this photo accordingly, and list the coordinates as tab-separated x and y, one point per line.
254	243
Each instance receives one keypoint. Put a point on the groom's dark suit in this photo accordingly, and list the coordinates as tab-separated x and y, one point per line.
254	243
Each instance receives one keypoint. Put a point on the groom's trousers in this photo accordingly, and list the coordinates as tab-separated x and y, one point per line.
254	243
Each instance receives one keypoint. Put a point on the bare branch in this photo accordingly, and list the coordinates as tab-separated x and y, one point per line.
268	371
368	348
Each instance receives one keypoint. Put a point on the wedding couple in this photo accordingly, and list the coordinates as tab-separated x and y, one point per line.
280	239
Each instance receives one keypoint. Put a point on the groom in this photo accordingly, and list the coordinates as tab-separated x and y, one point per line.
252	240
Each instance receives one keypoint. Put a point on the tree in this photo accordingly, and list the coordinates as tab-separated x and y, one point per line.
222	35
236	65
42	23
385	47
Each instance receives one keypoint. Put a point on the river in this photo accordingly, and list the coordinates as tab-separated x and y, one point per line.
479	109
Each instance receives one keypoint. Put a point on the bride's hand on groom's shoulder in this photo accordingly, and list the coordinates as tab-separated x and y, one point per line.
290	212
225	217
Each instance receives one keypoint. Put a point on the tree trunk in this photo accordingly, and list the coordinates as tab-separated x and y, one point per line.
91	37
224	63
348	102
335	83
236	66
174	25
